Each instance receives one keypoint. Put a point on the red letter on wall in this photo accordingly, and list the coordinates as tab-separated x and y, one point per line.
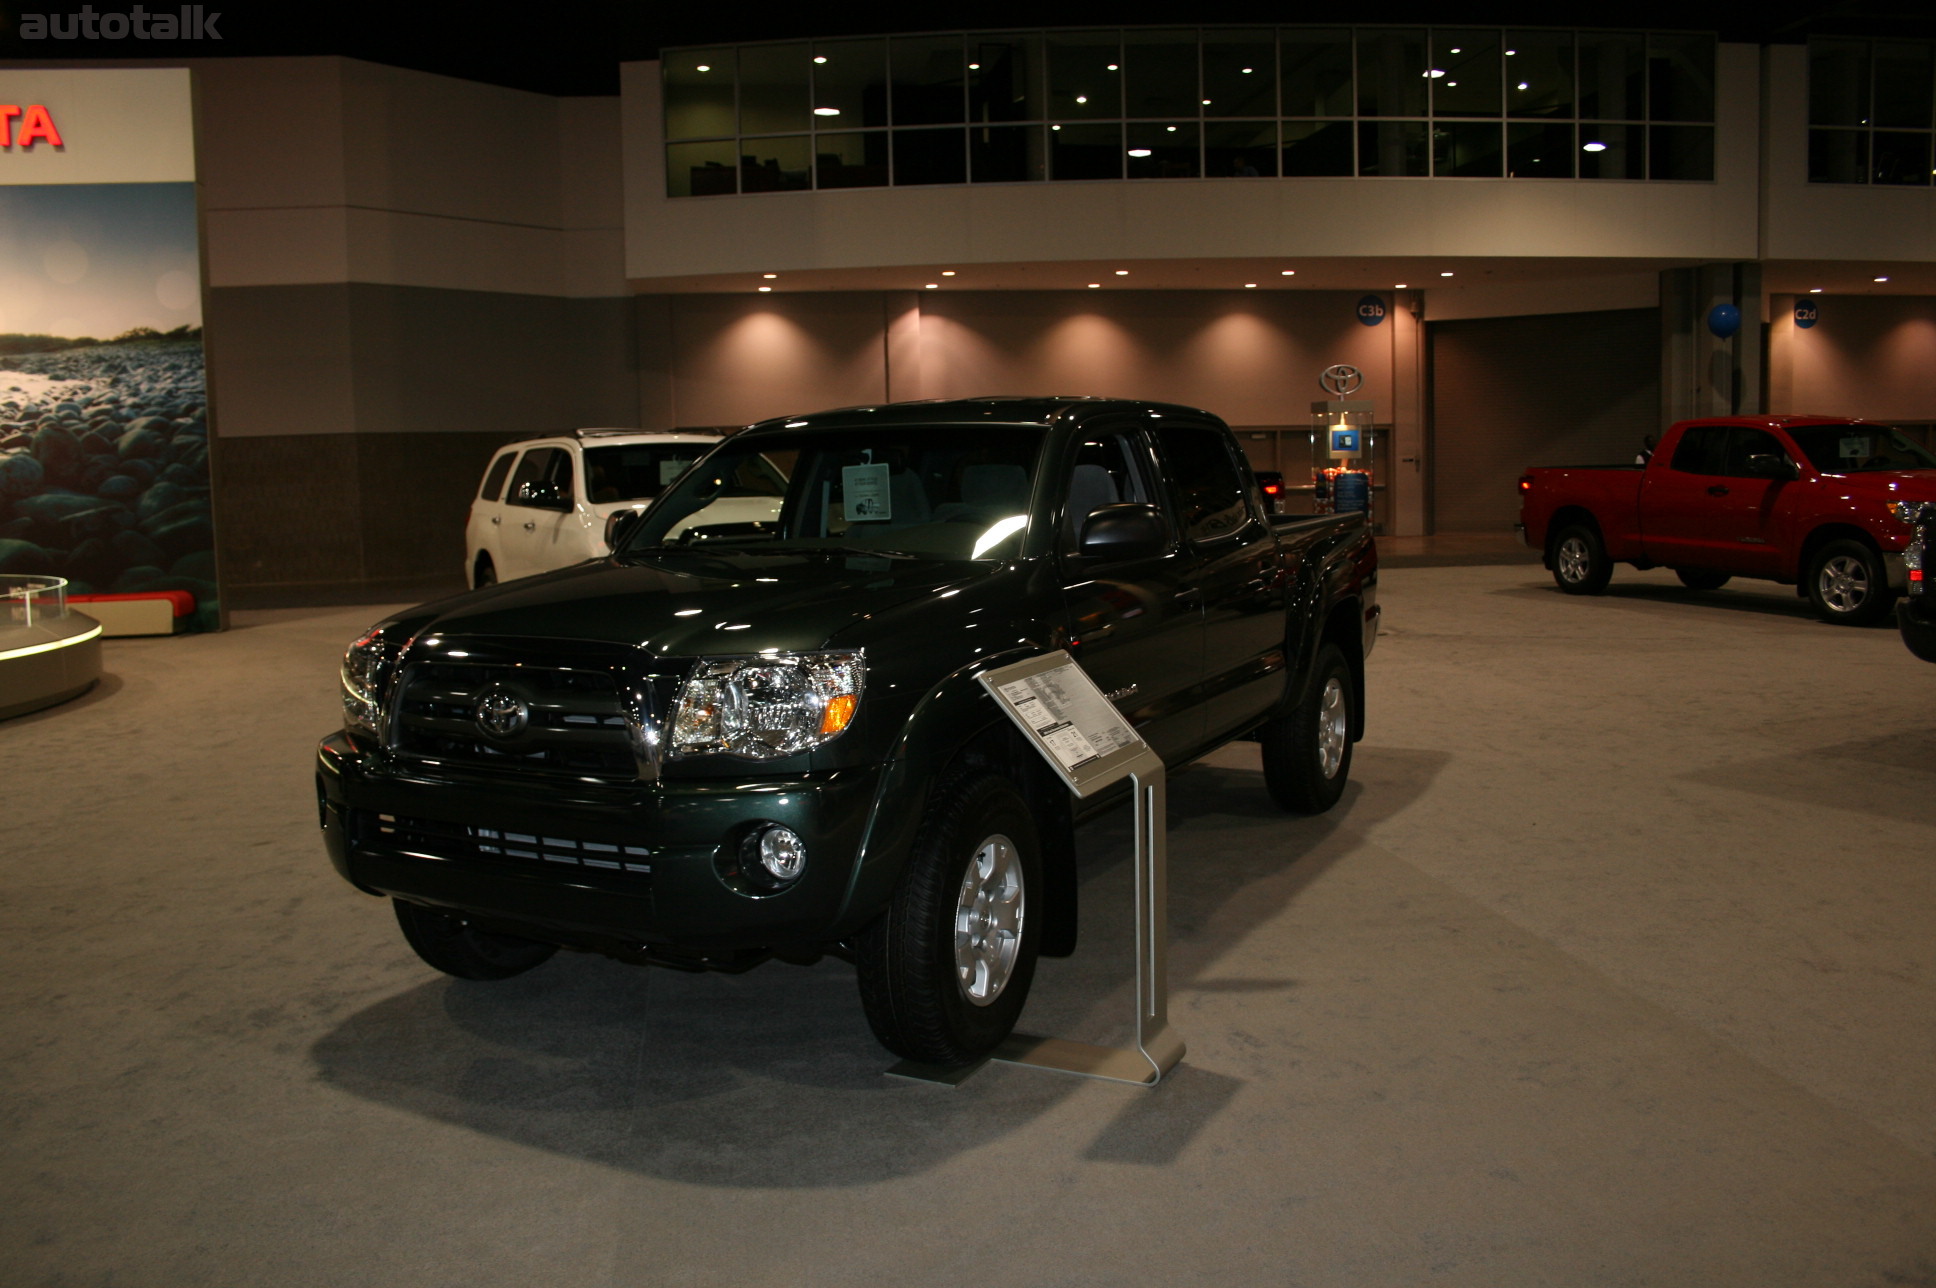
37	124
7	112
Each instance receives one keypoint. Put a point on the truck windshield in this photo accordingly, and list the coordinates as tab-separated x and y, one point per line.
935	491
1854	449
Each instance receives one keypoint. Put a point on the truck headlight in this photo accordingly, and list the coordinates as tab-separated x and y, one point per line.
767	707
1912	511
366	669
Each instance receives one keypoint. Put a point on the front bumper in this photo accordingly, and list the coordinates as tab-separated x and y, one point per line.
632	868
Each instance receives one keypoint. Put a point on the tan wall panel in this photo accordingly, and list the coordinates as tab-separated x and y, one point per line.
738	360
1871	356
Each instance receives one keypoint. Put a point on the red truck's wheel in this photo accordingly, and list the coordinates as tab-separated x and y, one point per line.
944	971
1847	584
455	947
1307	754
1580	563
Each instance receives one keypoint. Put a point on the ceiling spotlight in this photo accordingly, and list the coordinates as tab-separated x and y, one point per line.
1055	127
974	67
1082	98
1398	286
1170	128
1206	102
1113	66
1455	51
705	67
1524	85
821	59
1247	71
1511	52
1435	73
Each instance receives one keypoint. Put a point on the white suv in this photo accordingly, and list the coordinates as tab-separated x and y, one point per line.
545	502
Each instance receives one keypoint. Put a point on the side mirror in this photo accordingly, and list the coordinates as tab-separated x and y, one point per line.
543	496
1125	530
1771	465
619	526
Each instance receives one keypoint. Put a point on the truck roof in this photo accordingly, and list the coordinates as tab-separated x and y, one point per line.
1005	410
1772	422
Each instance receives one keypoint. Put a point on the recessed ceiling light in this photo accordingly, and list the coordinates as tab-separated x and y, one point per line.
1206	102
821	59
1398	286
1445	274
1250	286
974	67
932	286
1139	152
1524	85
1593	147
1113	66
1289	272
947	272
826	111
1055	127
1814	290
1247	71
1456	51
1082	98
1122	272
1882	279
769	276
1095	286
765	288
704	67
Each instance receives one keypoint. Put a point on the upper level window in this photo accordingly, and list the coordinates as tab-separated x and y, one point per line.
1190	102
1871	111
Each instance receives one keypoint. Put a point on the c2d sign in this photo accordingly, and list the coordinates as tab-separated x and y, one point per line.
1371	310
1806	313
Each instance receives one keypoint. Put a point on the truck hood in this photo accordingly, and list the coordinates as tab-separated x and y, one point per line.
700	603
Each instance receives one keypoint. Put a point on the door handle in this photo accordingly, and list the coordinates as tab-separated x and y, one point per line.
496	519
1717	490
530	527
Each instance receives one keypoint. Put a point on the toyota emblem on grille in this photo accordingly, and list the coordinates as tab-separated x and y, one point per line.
500	713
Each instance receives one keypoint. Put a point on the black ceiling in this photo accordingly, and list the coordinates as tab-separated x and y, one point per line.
572	49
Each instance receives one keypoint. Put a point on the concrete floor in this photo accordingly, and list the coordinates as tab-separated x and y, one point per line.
1614	967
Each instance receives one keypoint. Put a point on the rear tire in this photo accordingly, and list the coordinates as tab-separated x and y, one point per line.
945	970
1702	578
1307	754
1847	584
454	946
1580	563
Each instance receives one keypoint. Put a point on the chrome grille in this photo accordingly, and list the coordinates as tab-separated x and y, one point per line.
577	712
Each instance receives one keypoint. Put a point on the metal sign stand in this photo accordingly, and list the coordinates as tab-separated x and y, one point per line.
1090	746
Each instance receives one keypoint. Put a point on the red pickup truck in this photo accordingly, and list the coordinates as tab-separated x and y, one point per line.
1808	501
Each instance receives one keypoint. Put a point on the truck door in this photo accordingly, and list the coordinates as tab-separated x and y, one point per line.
1236	570
1676	503
1741	522
1135	625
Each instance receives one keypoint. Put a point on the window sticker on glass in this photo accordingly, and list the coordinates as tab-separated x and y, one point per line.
1853	449
865	490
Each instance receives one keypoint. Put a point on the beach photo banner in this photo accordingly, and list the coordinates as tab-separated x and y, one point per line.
104	424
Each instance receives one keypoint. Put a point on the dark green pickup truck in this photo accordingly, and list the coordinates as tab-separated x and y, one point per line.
766	739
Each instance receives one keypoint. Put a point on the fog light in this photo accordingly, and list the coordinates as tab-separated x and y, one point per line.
773	857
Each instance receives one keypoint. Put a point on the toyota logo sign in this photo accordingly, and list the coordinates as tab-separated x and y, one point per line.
500	713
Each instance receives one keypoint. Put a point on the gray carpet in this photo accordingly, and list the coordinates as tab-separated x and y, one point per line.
1613	967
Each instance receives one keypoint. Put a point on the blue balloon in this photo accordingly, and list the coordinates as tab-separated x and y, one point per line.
1724	320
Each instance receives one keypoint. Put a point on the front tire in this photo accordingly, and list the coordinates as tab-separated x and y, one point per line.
454	946
1847	584
1307	754
1580	563
944	972
1702	578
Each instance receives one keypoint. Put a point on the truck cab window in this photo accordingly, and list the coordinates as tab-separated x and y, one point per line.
1105	473
1703	450
1210	489
1743	443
